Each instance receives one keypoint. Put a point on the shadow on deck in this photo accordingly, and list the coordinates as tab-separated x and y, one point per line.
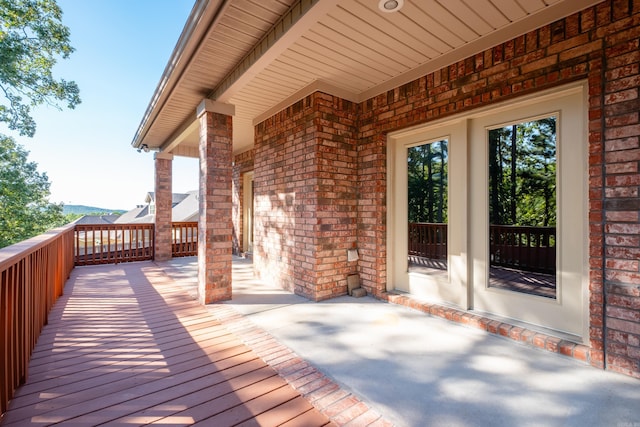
126	345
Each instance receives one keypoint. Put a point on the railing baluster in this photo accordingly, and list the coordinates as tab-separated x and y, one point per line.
117	243
185	239
129	242
32	275
6	278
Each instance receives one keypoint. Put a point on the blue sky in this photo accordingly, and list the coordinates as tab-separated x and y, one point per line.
122	47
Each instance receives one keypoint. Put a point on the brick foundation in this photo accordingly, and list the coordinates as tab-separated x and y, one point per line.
519	334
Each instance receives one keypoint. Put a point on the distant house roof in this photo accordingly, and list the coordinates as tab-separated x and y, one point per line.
193	218
97	219
176	198
138	214
185	209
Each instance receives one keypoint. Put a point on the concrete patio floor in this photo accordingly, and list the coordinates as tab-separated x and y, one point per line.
418	370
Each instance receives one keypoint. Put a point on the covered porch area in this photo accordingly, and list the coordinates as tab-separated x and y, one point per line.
303	116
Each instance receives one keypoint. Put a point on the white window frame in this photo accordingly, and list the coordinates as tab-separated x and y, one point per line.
467	283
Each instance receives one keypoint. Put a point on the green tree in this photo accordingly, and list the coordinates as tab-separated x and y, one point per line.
25	210
32	39
538	172
427	182
522	174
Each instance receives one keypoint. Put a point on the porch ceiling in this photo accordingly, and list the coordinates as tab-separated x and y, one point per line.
262	55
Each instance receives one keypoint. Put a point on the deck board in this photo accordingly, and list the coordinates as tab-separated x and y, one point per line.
127	346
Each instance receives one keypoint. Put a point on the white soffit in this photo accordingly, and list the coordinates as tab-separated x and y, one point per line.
264	55
357	52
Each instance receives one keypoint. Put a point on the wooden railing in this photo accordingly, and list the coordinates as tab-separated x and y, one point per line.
113	243
33	274
32	277
184	239
116	243
524	248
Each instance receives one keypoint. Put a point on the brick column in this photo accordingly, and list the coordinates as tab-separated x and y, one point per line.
162	238
215	227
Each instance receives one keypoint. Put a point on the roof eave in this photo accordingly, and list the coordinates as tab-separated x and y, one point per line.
202	16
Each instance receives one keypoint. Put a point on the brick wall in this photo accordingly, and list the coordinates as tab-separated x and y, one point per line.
242	163
372	190
601	45
305	196
282	149
559	53
336	203
621	181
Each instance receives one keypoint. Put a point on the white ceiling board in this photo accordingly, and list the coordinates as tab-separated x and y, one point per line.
346	47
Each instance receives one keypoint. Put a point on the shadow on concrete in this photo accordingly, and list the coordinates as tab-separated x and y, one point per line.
419	370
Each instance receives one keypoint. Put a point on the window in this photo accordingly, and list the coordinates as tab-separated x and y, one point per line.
427	206
522	207
427	191
503	190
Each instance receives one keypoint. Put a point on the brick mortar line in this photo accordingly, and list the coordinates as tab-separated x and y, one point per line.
343	409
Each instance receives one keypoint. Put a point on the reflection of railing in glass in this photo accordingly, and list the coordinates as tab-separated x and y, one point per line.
524	248
523	259
428	240
427	247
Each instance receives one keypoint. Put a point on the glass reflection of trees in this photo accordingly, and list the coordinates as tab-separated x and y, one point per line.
427	169
522	206
522	174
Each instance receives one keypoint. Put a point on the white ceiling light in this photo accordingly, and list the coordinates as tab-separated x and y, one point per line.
389	6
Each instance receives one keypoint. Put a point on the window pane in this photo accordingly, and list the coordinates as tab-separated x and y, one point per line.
427	194
522	207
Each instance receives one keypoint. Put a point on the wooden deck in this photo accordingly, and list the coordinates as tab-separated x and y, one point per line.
125	345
